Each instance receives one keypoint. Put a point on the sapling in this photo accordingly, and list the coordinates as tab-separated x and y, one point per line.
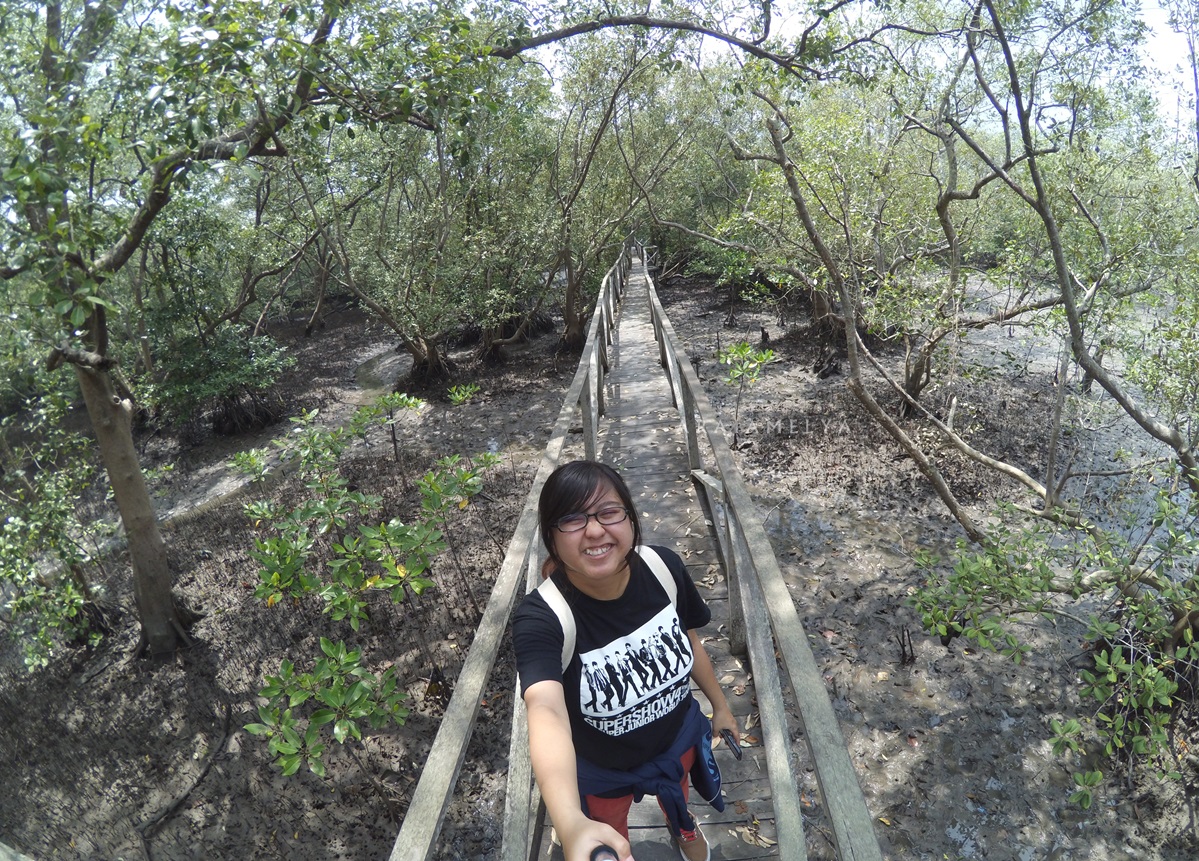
744	365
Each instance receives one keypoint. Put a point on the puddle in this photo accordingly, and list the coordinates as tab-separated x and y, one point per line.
378	375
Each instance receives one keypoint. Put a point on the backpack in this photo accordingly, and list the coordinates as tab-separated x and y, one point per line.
552	596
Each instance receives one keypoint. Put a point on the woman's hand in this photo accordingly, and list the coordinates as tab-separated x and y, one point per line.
722	719
705	677
581	837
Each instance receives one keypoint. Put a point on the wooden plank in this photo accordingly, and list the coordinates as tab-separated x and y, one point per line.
694	460
852	824
521	799
7	853
590	410
776	735
713	491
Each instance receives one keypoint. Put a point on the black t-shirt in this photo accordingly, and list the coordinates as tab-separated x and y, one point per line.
627	686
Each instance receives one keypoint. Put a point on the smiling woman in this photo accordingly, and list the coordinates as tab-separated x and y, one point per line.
605	670
590	526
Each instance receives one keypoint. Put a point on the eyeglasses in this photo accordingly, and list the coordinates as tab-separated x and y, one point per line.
607	517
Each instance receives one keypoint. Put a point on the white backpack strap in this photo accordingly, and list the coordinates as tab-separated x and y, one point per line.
651	558
552	595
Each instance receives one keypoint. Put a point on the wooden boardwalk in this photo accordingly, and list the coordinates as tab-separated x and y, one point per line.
642	437
635	386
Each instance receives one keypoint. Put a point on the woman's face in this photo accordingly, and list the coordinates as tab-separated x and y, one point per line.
595	557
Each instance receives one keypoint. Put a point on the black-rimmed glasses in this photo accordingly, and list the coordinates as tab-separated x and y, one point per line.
606	517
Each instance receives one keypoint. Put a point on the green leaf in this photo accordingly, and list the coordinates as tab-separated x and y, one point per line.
298	697
320	717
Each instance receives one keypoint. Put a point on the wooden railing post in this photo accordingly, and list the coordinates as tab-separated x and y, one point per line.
768	687
726	530
590	411
688	413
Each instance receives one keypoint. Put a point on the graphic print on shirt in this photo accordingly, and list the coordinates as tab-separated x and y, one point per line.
637	678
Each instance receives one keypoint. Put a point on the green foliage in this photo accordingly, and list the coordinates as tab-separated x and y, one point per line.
227	373
985	592
327	546
1086	781
44	543
453	483
1165	361
22	375
252	463
462	394
744	365
725	265
1145	665
1135	693
385	405
348	697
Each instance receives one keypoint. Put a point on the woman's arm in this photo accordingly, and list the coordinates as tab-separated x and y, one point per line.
552	751
704	675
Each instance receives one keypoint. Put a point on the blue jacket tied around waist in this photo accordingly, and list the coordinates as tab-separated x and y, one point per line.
662	776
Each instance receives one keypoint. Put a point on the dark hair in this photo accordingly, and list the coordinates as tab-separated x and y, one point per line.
568	490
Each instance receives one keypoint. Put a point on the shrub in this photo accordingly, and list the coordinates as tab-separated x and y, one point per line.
228	379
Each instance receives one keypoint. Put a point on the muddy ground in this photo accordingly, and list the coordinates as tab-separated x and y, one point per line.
106	757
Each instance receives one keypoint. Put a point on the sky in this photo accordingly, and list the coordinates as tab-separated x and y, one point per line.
1166	52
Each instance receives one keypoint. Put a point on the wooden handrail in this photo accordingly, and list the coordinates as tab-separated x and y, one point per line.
422	822
753	559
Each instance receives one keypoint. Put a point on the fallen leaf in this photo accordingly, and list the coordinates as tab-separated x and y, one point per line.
884	820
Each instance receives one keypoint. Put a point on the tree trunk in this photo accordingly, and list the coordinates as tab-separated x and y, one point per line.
428	361
574	334
917	374
163	628
324	260
822	306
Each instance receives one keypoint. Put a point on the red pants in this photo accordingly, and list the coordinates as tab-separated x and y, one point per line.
615	811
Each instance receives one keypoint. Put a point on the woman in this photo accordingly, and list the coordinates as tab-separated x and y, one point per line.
606	606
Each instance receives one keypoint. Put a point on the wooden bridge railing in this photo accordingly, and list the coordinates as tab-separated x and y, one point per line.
760	604
422	822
